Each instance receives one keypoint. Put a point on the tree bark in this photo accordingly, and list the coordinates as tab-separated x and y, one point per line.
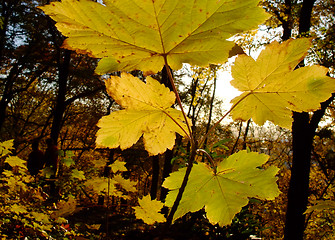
299	182
60	107
155	177
167	169
303	134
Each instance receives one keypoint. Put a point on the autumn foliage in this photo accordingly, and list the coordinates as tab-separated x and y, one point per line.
208	185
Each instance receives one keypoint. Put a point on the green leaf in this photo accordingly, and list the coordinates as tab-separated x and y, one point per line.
67	158
148	114
224	193
139	34
148	210
272	89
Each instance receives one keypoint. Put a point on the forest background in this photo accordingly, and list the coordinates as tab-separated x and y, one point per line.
50	92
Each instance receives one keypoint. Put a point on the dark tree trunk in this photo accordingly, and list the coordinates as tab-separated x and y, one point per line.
7	95
155	177
168	155
299	182
287	24
61	95
166	170
303	134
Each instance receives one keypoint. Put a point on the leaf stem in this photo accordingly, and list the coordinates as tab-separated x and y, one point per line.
167	67
209	157
193	148
182	187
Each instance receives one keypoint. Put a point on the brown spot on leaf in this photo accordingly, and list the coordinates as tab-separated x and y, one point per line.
291	104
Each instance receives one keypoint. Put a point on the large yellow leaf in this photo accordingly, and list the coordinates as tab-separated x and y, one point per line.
147	111
138	34
225	191
272	89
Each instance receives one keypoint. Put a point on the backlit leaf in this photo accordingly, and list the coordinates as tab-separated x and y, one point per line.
139	34
224	193
147	111
272	89
148	210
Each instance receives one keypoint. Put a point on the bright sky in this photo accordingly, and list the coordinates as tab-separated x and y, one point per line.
224	90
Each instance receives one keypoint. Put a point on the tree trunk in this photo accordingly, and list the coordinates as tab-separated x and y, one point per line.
60	101
155	177
303	134
299	182
167	170
168	155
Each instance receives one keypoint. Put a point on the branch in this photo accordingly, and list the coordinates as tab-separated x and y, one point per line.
83	94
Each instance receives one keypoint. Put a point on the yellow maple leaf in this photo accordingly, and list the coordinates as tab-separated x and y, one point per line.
40	217
147	111
15	161
6	147
65	208
98	184
226	190
118	166
148	210
140	34
126	184
78	174
272	89
16	208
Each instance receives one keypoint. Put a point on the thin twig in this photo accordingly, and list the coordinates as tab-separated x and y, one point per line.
223	117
